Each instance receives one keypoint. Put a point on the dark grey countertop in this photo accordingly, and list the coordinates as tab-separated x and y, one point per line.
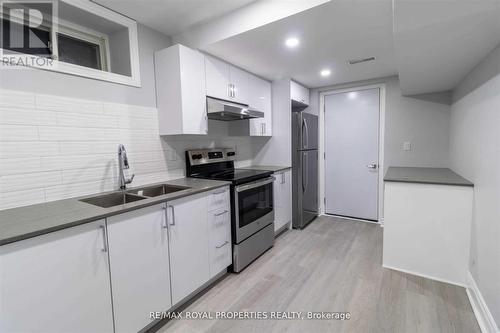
273	168
439	176
25	222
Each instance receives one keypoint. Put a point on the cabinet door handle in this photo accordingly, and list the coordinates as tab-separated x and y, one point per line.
219	192
224	212
283	178
223	244
165	224
173	215
104	241
234	91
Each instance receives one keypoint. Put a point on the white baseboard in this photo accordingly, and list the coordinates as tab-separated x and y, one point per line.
481	311
425	276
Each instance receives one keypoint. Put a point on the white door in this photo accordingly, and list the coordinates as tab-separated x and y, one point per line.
240	81
217	78
57	283
140	276
351	147
188	237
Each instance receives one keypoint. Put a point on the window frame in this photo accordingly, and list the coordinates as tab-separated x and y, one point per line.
86	34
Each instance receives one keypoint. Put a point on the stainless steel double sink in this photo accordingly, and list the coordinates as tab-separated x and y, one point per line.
121	198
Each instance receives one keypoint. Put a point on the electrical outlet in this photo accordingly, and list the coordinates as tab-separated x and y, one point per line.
407	146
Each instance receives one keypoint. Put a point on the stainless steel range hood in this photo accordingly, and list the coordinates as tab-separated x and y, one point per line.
222	110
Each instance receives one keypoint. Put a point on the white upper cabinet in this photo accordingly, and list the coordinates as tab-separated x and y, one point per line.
139	263
180	91
217	78
240	80
185	77
299	93
58	282
260	99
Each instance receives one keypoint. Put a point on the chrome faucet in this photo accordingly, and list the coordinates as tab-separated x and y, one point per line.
122	165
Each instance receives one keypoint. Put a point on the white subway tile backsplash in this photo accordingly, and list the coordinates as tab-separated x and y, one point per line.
21	198
18	133
16	99
27	181
65	104
78	189
12	166
86	120
77	162
89	174
13	116
54	147
19	149
49	133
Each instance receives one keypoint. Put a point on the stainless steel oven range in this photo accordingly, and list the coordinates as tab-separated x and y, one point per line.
252	211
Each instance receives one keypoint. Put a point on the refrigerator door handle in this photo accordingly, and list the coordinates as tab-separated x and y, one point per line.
306	145
304	156
302	133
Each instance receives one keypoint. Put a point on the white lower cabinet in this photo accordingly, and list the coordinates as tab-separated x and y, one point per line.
139	263
188	238
57	283
282	188
134	263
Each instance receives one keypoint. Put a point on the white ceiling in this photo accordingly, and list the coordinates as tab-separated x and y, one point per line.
330	34
173	16
438	42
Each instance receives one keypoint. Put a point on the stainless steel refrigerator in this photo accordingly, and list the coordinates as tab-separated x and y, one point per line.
304	168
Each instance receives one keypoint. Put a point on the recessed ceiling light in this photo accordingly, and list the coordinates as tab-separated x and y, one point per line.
325	72
292	42
352	95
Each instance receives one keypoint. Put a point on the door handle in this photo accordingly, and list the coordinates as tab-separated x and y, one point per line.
165	225
173	215
302	132
303	169
220	214
372	166
104	241
223	244
307	134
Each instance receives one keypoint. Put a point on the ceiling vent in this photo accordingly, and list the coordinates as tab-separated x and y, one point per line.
358	61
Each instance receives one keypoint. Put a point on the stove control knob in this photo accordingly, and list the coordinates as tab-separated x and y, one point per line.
197	157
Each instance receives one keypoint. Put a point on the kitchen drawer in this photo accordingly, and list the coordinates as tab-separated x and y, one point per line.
218	199
220	258
219	226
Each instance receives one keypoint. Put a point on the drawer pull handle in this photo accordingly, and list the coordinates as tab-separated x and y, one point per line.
224	212
223	244
219	192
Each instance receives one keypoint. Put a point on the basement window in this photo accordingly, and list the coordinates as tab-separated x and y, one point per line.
79	38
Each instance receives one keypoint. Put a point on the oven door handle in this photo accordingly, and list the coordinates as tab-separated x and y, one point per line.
252	185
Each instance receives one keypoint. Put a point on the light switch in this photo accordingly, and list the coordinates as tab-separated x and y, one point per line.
407	146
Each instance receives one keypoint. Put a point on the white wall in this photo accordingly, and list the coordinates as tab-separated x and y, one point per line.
475	154
422	120
59	133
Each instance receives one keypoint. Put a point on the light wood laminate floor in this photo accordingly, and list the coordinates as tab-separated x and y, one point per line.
332	265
